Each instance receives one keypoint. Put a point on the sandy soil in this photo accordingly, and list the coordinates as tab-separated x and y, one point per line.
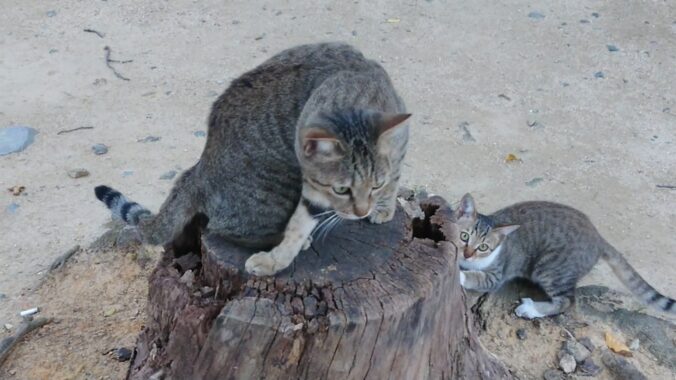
475	75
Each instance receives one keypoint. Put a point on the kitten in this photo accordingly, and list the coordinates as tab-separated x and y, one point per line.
316	131
550	244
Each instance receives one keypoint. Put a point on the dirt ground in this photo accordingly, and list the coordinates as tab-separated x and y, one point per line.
590	127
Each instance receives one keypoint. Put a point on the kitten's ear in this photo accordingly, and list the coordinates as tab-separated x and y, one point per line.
321	145
506	230
388	122
466	207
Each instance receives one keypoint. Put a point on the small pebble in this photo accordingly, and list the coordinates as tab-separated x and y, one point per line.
635	344
12	208
599	74
554	374
567	363
521	334
51	13
577	349
99	149
534	182
15	138
148	139
168	175
612	48
8	326
595	14
3	296
122	354
585	341
536	15
584	21
466	134
589	368
78	173
199	134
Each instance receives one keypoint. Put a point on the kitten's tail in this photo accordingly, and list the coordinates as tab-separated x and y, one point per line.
635	282
121	207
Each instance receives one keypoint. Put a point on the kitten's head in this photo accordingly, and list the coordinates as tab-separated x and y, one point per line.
349	158
477	236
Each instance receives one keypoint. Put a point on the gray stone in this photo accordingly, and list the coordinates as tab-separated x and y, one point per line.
599	74
534	182
554	374
536	15
595	14
148	139
612	48
168	175
199	134
578	350
78	173
620	367
521	334
635	344
585	341
567	363
15	139
99	149
12	208
589	368
3	296
122	354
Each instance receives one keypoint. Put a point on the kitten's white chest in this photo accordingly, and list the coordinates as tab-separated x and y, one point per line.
482	263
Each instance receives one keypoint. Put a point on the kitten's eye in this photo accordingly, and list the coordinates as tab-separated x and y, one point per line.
341	190
464	236
483	247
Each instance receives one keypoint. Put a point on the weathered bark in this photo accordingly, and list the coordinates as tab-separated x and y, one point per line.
371	301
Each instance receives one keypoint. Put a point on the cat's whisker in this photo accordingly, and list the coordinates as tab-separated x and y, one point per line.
322	226
331	226
325	229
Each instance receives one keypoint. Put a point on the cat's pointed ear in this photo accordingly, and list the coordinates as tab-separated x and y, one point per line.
322	145
389	122
506	230
467	207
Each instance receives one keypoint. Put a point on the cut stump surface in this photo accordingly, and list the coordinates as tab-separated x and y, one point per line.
367	302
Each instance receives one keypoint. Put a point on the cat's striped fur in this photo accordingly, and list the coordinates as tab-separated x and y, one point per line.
548	243
308	120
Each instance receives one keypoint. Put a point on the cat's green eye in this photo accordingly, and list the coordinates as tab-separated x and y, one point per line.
378	185
464	236
483	247
341	190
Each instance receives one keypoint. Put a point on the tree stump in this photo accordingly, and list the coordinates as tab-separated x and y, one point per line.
369	301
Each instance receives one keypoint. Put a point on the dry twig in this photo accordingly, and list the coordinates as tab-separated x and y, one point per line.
26	326
109	61
100	34
61	260
72	130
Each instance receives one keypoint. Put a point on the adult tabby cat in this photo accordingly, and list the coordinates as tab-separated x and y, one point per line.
315	131
548	243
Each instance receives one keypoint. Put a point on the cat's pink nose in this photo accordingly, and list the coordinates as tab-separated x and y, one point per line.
361	212
468	252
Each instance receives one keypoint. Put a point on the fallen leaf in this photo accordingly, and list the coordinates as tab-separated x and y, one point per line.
109	312
393	20
17	190
616	346
512	158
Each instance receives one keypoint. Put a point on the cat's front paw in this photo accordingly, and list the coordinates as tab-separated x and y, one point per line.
308	243
527	310
462	279
262	264
380	216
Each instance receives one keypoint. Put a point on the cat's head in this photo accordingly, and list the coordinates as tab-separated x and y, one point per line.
477	236
349	158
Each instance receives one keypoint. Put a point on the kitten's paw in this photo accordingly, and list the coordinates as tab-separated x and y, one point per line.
262	264
307	243
527	309
462	279
381	216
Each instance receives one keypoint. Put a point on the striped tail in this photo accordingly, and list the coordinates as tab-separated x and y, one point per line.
632	280
121	207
